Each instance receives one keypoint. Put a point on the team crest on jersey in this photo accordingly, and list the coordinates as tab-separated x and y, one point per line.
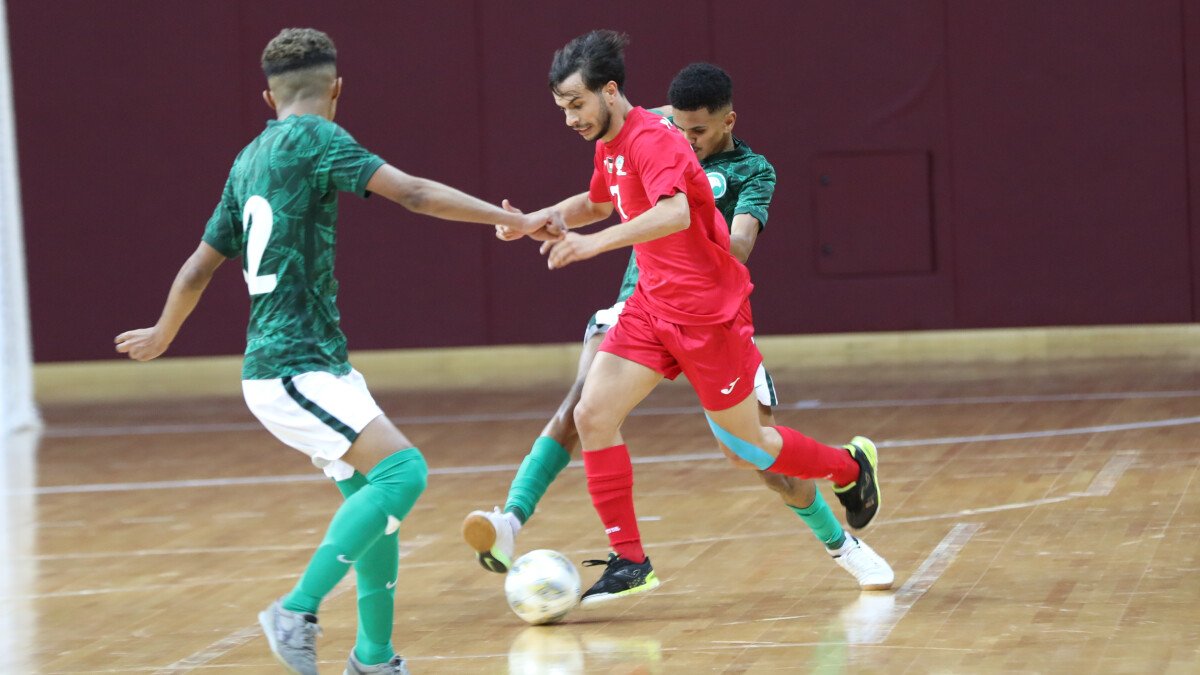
718	183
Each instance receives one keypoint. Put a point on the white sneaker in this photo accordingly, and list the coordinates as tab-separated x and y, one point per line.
492	537
868	567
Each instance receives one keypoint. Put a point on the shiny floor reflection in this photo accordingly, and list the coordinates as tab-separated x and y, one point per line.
1040	517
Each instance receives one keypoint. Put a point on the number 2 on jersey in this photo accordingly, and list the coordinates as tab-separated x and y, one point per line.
257	221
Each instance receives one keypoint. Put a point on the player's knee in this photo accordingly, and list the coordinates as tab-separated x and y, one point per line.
405	473
754	456
590	420
734	459
417	472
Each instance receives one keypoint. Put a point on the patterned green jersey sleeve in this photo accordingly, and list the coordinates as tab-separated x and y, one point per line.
224	229
346	165
755	196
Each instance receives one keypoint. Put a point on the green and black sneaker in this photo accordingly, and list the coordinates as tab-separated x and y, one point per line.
861	498
621	578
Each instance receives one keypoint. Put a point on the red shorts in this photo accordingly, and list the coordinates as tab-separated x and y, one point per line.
719	360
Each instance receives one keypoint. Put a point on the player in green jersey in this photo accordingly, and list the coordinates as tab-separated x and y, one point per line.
278	213
743	182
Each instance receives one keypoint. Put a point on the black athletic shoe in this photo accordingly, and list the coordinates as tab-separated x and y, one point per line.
861	498
621	578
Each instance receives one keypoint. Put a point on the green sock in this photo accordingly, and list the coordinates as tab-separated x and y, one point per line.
820	519
539	469
376	571
391	490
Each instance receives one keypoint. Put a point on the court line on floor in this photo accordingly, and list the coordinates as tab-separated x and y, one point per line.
907	596
1023	435
493	468
154	552
310	477
813	404
874	628
1100	486
153	587
244	635
231	642
1106	479
546	654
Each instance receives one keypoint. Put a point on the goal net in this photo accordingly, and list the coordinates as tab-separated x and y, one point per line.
17	409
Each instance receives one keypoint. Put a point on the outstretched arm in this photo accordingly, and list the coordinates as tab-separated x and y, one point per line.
144	344
668	216
431	198
576	210
579	210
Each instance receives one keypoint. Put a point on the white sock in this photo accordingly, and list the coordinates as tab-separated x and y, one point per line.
514	521
850	543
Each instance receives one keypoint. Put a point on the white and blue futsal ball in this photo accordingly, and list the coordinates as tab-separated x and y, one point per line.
542	586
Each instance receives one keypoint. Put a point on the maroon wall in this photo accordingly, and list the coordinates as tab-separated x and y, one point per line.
941	164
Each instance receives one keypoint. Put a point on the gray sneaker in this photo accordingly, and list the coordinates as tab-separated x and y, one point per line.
393	667
293	638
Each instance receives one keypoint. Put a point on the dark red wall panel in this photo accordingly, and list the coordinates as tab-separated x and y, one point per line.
835	78
1190	37
1058	139
125	131
1069	163
872	213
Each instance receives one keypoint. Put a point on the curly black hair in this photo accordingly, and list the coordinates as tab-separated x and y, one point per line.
701	85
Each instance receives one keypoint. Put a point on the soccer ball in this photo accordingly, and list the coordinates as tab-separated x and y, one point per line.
542	586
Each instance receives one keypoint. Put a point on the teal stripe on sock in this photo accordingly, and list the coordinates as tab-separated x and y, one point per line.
820	519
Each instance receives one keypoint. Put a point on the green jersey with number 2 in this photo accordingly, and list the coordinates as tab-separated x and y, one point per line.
279	214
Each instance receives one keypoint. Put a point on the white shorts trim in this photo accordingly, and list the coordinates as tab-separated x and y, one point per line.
317	413
764	387
604	319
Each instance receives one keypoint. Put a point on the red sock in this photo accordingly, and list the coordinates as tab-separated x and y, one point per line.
803	457
610	482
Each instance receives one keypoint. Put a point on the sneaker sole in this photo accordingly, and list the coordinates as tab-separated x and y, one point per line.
599	599
267	621
480	535
868	448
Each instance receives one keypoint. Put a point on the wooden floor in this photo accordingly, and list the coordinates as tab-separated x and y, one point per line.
1041	517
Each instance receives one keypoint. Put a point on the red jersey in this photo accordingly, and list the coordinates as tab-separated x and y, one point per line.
689	277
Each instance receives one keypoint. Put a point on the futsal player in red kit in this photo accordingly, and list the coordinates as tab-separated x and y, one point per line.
690	312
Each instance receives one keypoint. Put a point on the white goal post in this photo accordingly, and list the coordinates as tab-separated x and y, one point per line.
17	409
